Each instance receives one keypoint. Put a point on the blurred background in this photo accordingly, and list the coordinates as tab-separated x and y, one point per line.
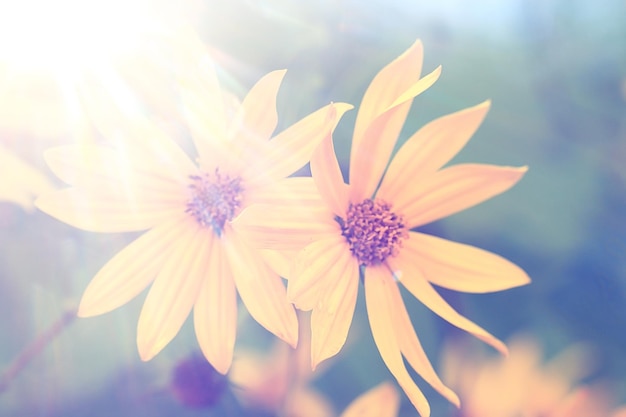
555	71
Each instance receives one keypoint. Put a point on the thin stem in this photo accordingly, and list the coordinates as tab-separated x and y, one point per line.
34	348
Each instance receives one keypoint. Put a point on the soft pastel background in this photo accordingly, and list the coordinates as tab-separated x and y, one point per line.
555	71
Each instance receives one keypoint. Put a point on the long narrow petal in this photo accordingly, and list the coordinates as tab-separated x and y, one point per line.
215	311
259	117
380	307
381	401
412	348
102	211
332	316
84	163
274	227
370	156
418	88
285	215
147	147
429	149
94	166
132	133
409	273
281	262
303	401
389	84
260	288
315	270
292	191
328	178
462	267
251	127
454	189
202	96
132	269
173	292
292	148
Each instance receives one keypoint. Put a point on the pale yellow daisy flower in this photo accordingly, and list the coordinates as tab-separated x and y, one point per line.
190	253
362	231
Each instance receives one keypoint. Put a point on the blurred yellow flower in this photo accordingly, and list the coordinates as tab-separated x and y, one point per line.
279	382
620	412
142	180
364	228
380	401
21	182
523	385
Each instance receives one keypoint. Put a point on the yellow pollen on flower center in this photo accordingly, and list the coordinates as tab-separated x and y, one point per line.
373	231
215	199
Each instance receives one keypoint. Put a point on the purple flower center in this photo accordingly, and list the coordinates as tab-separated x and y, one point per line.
373	231
215	199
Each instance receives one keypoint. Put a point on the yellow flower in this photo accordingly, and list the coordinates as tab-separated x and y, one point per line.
380	401
280	382
144	181
265	384
524	385
365	228
20	183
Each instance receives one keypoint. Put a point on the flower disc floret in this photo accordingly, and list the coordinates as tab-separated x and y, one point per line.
215	199
373	231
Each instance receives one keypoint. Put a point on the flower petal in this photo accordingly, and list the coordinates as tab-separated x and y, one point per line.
380	308
93	166
281	262
418	87
202	97
304	402
314	271
454	189
412	348
292	148
370	156
328	178
381	401
429	149
462	267
173	292
295	191
132	133
259	117
409	273
268	226
215	311
132	269
260	288
332	315
389	84
147	147
252	127
104	211
82	164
